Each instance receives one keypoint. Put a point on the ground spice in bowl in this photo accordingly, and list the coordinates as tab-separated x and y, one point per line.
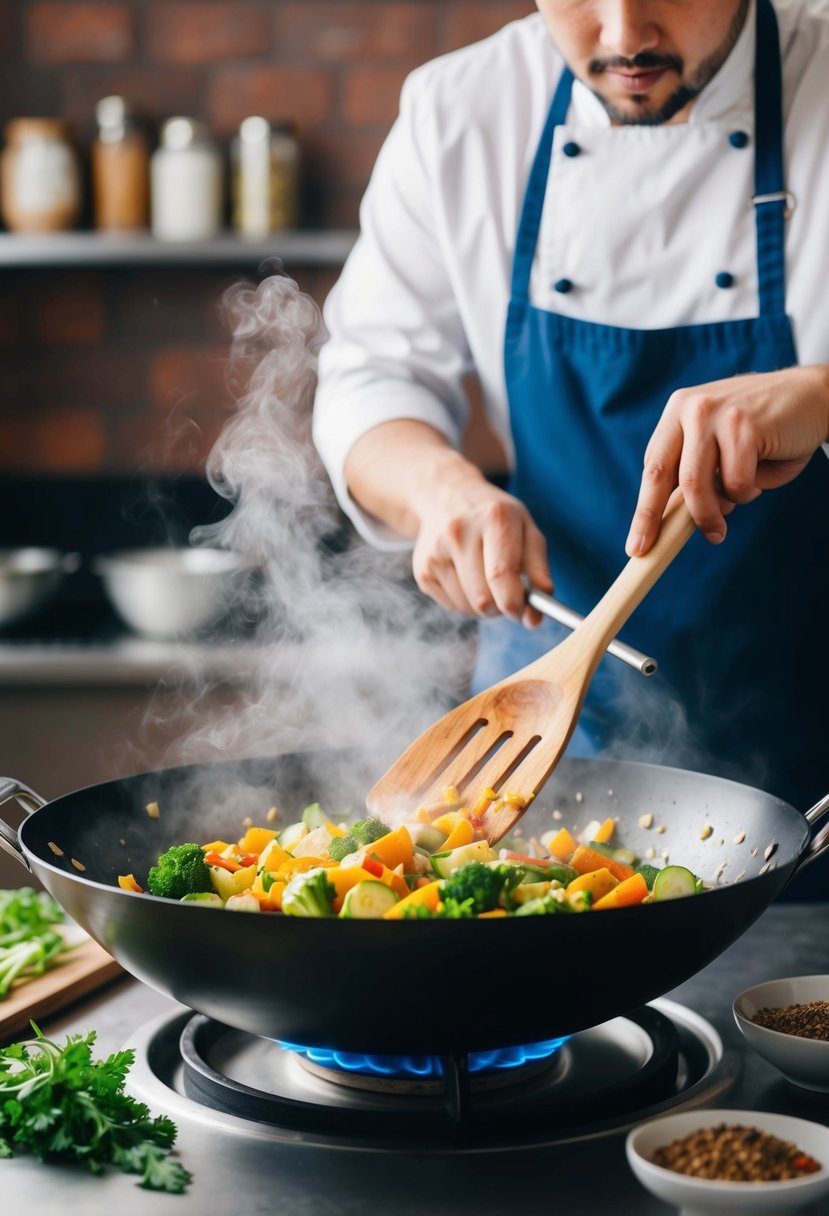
807	1021
730	1153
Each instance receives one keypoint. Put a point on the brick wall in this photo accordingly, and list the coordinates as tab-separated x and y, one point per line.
122	371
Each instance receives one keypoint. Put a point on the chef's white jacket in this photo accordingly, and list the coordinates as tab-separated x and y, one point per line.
641	222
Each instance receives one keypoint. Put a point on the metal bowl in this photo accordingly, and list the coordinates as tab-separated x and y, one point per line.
29	577
169	593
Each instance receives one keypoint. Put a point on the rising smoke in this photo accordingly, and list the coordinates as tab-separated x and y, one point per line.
348	653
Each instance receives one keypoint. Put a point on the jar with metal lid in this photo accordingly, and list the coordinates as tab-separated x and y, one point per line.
185	183
120	169
265	177
41	182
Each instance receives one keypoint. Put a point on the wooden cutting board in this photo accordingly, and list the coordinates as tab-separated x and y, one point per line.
87	967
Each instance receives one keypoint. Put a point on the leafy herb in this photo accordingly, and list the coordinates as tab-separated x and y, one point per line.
28	942
62	1106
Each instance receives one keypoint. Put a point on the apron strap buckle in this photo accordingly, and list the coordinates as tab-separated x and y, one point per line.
779	196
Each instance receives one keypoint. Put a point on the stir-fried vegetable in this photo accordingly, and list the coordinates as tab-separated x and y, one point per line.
437	865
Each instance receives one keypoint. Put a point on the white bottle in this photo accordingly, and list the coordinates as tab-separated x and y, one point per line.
186	183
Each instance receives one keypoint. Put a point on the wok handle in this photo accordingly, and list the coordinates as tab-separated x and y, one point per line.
820	841
30	801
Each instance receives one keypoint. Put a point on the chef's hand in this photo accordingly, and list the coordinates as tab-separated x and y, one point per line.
473	541
724	443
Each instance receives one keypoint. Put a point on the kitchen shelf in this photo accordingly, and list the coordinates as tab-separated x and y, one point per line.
84	249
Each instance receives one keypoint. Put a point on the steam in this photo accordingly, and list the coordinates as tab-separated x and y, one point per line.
346	653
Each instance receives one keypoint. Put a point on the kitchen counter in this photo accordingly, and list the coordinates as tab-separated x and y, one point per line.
585	1179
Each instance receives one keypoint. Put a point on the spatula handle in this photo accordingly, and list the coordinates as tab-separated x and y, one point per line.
637	578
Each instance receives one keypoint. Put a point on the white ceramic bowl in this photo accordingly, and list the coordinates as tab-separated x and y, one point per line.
29	577
169	593
805	1062
706	1197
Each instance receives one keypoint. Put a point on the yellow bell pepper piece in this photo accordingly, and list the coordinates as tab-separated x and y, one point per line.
606	831
598	882
445	823
393	849
421	897
255	839
127	882
462	833
562	846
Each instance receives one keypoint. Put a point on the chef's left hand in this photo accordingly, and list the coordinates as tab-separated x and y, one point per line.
725	442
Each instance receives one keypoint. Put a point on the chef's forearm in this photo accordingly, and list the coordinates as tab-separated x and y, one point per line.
394	471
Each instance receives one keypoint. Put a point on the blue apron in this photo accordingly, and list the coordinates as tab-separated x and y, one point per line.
739	630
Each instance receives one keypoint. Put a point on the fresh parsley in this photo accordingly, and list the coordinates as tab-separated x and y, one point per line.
29	944
62	1106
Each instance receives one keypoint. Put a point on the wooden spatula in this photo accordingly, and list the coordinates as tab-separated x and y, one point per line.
510	737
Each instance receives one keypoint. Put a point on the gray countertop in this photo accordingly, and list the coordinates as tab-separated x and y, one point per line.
590	1179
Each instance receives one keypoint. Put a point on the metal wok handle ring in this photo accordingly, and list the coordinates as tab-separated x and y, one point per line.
820	841
30	801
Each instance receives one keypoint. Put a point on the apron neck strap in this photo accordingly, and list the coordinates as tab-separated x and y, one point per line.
770	197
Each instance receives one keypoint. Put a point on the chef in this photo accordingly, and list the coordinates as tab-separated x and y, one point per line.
615	213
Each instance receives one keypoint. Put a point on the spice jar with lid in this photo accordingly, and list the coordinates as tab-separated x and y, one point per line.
41	184
265	177
185	183
120	169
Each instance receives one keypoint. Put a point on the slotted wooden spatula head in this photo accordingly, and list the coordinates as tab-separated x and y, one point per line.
509	738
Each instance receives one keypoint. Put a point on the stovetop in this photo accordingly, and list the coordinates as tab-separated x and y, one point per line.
249	1168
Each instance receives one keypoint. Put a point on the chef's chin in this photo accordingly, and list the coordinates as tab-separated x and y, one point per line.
640	110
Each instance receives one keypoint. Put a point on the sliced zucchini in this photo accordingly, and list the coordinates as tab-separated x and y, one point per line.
208	899
429	840
314	817
674	882
368	900
445	864
292	834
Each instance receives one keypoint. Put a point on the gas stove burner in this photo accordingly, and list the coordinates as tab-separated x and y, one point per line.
426	1074
601	1080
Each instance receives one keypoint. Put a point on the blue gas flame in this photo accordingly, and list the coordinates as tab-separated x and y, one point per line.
422	1067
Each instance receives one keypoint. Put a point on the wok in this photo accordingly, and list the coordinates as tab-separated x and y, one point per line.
410	986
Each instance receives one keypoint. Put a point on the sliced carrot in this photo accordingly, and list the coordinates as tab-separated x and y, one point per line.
632	891
495	914
563	845
585	859
421	897
225	863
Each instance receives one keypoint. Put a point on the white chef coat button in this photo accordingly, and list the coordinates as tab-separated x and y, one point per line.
571	149
738	139
724	279
563	286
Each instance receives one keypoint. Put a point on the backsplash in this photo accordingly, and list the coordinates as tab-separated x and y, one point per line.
113	370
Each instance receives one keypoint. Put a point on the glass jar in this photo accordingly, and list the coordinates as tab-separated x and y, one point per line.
185	183
120	169
265	177
41	183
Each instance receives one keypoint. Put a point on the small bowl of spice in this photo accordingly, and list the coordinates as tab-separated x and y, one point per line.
713	1162
787	1023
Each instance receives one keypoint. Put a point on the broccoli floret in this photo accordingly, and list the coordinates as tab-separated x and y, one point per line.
363	832
649	874
476	888
308	894
180	871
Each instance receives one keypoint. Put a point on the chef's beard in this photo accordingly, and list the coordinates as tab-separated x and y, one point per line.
687	91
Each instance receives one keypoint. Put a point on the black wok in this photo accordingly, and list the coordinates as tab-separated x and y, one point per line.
411	986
